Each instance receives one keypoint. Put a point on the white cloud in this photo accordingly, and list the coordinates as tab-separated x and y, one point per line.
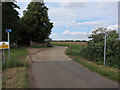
113	27
67	32
82	23
73	5
54	34
81	0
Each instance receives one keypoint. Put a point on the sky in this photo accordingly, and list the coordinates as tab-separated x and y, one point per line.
76	20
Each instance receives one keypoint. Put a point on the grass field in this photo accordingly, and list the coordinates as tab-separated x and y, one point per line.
74	52
14	71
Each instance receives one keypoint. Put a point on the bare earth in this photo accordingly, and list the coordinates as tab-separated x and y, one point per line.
51	68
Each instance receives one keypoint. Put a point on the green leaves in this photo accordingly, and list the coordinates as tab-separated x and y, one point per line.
95	49
36	22
10	19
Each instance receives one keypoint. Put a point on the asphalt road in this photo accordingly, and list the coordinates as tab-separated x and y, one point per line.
51	68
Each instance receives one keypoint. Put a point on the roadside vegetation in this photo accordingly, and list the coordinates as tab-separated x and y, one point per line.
94	51
34	26
14	71
91	55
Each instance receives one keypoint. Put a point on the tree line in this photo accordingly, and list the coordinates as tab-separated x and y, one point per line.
34	25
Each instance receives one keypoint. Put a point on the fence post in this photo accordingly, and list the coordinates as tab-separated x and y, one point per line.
70	49
3	55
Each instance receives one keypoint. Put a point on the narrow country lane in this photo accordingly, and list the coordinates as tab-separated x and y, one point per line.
51	68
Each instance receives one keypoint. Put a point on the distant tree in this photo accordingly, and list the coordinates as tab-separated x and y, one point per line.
36	23
10	19
95	49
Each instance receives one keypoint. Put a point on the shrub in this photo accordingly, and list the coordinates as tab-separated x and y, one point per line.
95	49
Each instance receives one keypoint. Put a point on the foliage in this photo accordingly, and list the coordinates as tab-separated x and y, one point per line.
95	49
36	23
17	58
10	19
69	41
109	72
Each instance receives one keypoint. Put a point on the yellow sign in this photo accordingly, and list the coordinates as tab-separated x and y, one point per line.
4	45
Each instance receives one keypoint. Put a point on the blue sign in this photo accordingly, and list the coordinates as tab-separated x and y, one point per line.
8	30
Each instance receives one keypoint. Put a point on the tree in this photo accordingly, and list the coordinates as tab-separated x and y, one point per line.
10	20
95	49
36	23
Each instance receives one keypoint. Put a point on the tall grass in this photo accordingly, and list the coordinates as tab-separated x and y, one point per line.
17	58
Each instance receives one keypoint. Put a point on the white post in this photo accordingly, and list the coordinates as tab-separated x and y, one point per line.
105	49
9	46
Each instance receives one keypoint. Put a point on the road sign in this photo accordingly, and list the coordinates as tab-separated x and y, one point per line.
8	30
4	45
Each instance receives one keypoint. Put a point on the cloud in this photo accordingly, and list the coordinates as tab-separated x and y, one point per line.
73	5
110	27
68	35
54	34
67	32
74	23
113	27
81	0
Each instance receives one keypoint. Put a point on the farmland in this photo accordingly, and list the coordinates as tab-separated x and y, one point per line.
73	43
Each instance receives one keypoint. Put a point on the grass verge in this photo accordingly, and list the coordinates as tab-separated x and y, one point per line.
14	71
74	52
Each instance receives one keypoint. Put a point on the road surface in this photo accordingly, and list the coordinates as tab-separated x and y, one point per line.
51	68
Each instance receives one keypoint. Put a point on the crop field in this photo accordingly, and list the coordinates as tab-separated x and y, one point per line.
75	43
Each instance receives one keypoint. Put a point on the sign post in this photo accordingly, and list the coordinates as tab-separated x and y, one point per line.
9	45
105	49
3	55
8	30
4	45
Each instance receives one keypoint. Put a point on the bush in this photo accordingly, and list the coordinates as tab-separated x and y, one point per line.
95	49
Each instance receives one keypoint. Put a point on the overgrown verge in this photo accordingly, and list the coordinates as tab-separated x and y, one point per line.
94	51
14	71
74	51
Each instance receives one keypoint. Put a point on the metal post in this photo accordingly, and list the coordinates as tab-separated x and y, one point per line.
70	49
3	55
105	49
9	46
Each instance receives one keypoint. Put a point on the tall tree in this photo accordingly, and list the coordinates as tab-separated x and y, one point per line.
36	22
10	19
